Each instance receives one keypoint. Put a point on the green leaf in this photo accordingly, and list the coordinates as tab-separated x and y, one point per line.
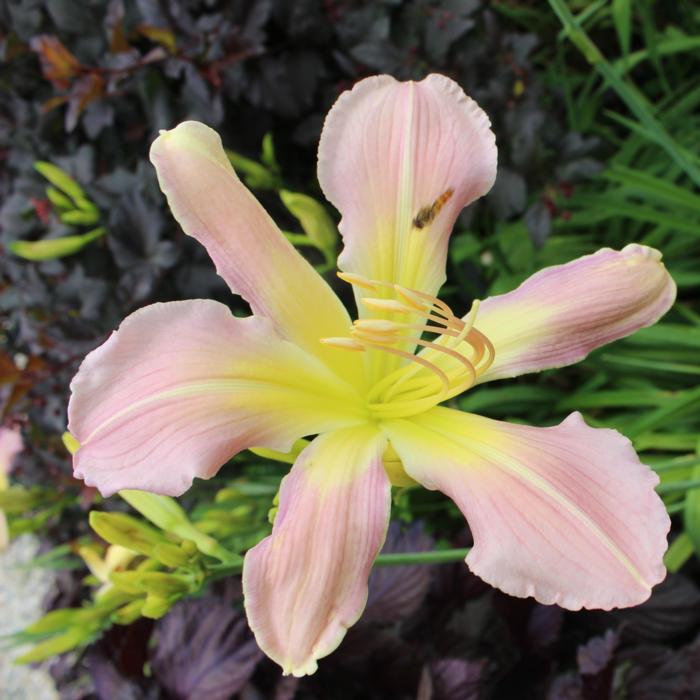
72	638
654	188
124	530
691	486
79	217
622	18
60	179
163	511
156	606
52	248
691	514
52	622
635	100
128	613
87	206
171	555
682	402
313	217
152	582
59	200
678	553
167	514
58	558
255	175
268	152
165	584
665	47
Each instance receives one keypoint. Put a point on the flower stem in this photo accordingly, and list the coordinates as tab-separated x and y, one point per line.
440	556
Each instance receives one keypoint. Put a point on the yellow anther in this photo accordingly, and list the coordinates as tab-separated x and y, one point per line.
387	305
357	280
378	325
344	344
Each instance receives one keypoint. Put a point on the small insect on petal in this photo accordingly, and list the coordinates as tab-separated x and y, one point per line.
427	214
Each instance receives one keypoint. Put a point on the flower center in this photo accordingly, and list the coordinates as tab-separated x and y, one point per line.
444	367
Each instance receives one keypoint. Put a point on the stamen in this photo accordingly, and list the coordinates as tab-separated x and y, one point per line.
387	305
412	302
447	365
471	372
378	324
344	344
434	301
357	280
428	313
416	358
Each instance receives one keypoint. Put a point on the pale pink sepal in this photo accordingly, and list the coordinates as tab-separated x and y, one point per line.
181	387
251	254
566	514
389	149
560	314
305	584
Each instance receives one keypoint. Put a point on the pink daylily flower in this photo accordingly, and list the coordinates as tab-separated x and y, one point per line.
566	514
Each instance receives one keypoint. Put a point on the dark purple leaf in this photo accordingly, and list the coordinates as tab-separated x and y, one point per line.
70	15
660	673
544	625
596	662
395	592
286	688
446	24
672	610
597	654
204	650
108	683
566	687
451	679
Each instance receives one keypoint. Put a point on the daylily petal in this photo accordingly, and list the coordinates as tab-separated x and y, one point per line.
566	514
561	313
388	152
251	254
305	584
181	387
